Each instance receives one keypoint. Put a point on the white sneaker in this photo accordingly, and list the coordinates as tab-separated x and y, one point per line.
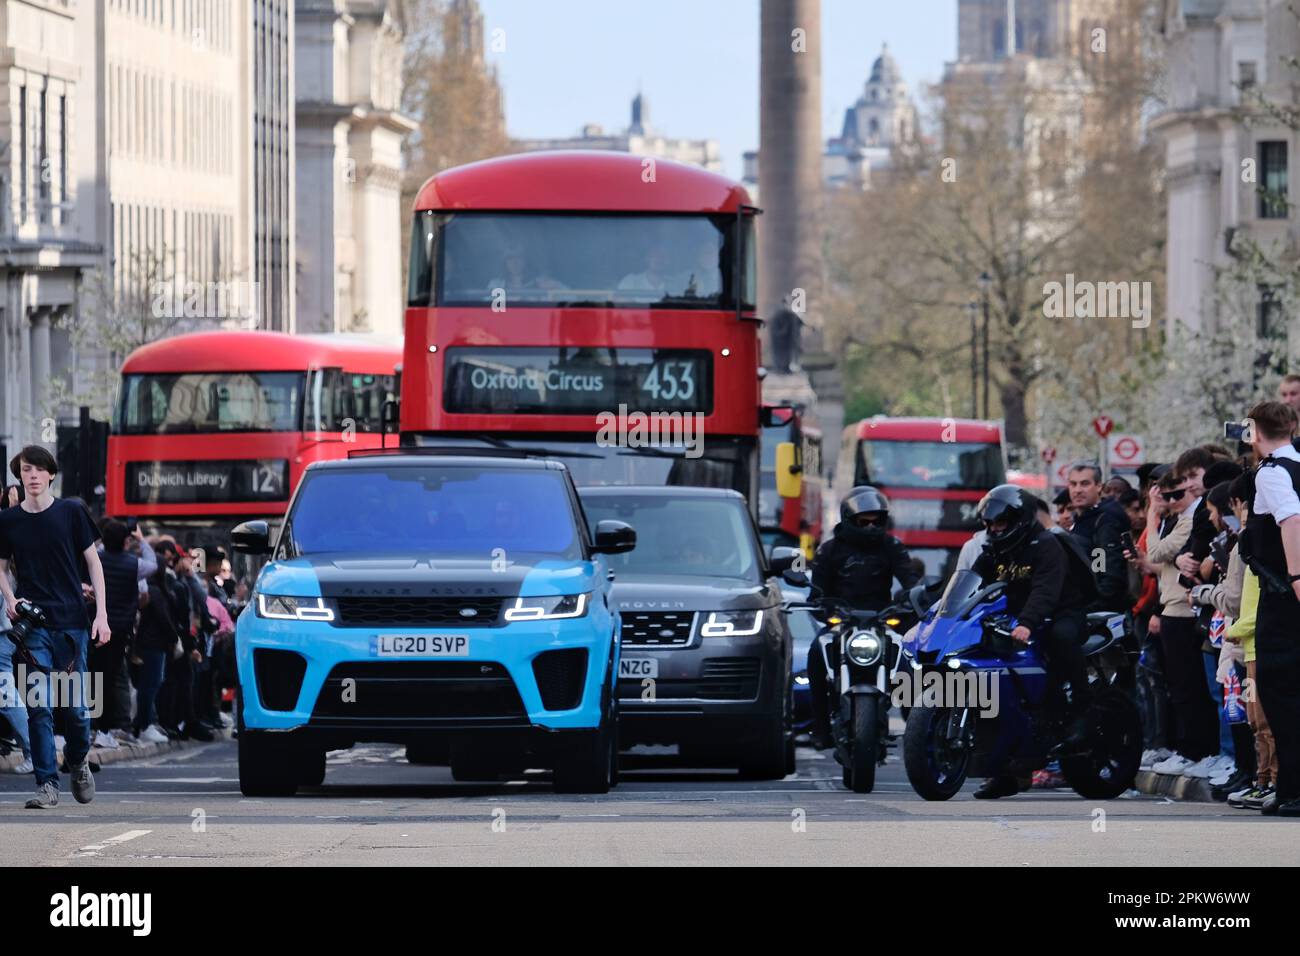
151	735
1202	769
1152	757
105	741
1174	764
1224	768
25	766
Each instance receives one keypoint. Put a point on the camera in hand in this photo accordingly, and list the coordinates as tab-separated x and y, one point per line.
29	616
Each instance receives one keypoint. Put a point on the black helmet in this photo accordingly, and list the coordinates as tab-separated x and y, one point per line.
1006	503
866	500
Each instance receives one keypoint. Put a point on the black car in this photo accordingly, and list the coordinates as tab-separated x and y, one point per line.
706	651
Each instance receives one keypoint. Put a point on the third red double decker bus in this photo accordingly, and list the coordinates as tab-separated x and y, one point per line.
934	471
587	303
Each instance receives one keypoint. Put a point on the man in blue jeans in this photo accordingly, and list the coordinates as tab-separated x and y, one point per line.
46	540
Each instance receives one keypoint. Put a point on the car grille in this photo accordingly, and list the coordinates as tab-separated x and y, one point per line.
419	611
419	692
657	628
721	678
560	677
730	678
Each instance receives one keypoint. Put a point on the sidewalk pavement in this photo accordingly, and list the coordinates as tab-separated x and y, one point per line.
1174	786
125	750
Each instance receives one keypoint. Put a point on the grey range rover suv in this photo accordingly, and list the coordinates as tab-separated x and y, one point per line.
706	649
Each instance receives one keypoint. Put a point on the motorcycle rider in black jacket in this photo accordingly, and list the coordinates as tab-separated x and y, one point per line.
1049	586
858	565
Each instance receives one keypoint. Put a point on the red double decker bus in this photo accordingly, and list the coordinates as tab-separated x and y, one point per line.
934	472
214	428
598	305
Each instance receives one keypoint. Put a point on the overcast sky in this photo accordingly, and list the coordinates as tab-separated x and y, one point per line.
571	62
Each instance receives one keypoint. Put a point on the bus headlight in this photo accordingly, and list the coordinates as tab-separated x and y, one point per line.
281	607
732	623
550	608
865	648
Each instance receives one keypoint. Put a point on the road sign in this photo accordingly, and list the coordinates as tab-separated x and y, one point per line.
1062	476
1102	425
1125	452
1049	454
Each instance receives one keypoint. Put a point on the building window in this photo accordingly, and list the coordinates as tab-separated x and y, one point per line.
1273	179
1246	74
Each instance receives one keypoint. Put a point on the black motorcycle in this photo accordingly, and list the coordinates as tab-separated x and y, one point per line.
863	650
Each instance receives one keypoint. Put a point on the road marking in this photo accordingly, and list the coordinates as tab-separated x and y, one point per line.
94	849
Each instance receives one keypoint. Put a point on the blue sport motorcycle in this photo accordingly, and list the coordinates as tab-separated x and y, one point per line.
980	699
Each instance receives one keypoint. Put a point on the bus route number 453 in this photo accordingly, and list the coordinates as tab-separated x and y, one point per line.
665	384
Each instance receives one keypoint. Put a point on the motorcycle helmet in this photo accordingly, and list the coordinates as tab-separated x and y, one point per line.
867	509
1005	506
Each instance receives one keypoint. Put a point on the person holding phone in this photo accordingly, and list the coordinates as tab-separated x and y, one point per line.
1195	721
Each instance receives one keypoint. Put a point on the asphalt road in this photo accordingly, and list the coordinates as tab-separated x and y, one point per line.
377	810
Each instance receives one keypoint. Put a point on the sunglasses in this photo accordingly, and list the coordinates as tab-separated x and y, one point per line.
869	521
1175	495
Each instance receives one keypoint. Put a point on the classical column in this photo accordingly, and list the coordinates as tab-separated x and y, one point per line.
40	362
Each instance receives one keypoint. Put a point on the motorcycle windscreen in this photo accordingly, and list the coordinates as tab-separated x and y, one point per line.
959	595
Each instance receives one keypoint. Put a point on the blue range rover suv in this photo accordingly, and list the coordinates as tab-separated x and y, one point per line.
455	604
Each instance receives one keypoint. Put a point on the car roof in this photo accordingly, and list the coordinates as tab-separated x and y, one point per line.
403	460
659	491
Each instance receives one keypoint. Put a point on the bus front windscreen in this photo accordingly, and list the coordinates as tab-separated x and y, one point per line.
211	402
576	260
967	466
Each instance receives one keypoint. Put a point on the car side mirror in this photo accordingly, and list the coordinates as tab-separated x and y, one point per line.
251	537
613	537
798	579
783	558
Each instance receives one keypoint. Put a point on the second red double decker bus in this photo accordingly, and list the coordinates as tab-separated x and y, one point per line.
597	305
214	428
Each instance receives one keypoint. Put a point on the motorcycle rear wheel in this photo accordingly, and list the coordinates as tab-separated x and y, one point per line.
1115	736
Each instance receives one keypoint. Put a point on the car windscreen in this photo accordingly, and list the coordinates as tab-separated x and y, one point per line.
711	537
458	512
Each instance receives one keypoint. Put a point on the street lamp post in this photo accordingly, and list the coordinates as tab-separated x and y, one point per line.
972	311
986	283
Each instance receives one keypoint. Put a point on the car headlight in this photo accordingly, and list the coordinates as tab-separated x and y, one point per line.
551	608
281	607
865	648
732	623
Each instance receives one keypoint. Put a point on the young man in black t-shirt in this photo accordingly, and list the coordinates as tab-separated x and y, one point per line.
46	539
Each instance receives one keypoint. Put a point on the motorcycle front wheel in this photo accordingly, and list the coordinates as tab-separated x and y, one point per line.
860	773
936	763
